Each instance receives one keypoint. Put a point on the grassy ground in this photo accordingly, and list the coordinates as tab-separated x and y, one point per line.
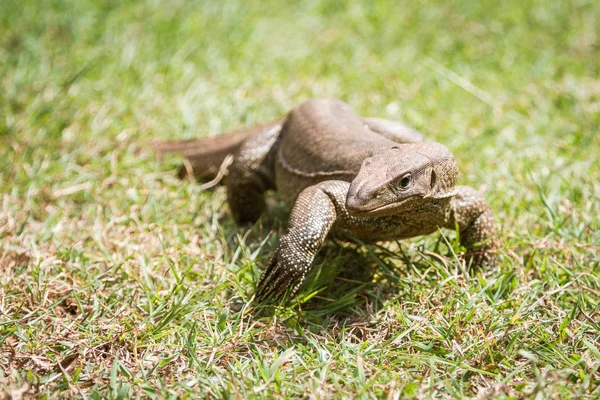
118	280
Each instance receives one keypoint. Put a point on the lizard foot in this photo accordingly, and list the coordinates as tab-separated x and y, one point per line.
283	277
485	256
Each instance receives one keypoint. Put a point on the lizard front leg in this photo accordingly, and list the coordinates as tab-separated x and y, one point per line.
312	217
477	228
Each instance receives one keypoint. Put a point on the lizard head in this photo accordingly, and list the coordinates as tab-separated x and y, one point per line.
402	178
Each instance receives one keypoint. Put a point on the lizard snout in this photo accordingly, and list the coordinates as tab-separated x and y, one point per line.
360	199
353	206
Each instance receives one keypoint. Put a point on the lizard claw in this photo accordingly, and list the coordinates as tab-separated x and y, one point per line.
283	277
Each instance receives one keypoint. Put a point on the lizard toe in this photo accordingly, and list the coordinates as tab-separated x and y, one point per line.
281	279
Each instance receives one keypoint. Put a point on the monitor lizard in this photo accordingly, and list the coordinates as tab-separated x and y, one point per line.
372	178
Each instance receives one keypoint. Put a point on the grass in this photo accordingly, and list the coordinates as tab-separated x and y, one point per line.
118	280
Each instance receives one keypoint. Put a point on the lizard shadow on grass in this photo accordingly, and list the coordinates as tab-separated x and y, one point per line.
357	280
351	280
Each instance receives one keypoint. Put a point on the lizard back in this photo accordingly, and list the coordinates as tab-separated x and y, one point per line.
322	140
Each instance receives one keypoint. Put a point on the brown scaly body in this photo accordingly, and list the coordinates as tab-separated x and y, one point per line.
371	178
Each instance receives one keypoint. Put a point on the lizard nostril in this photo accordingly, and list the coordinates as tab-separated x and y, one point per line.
377	193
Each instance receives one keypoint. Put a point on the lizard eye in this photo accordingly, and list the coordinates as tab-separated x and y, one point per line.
405	181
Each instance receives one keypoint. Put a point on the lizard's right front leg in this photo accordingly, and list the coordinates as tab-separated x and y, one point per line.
311	219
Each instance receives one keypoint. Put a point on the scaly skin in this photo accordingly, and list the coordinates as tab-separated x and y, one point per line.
371	178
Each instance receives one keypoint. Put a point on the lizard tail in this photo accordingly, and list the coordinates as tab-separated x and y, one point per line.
205	157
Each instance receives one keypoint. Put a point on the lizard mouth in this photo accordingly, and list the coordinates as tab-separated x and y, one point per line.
378	210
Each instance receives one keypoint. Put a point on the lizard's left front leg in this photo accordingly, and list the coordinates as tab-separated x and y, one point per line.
311	219
477	228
